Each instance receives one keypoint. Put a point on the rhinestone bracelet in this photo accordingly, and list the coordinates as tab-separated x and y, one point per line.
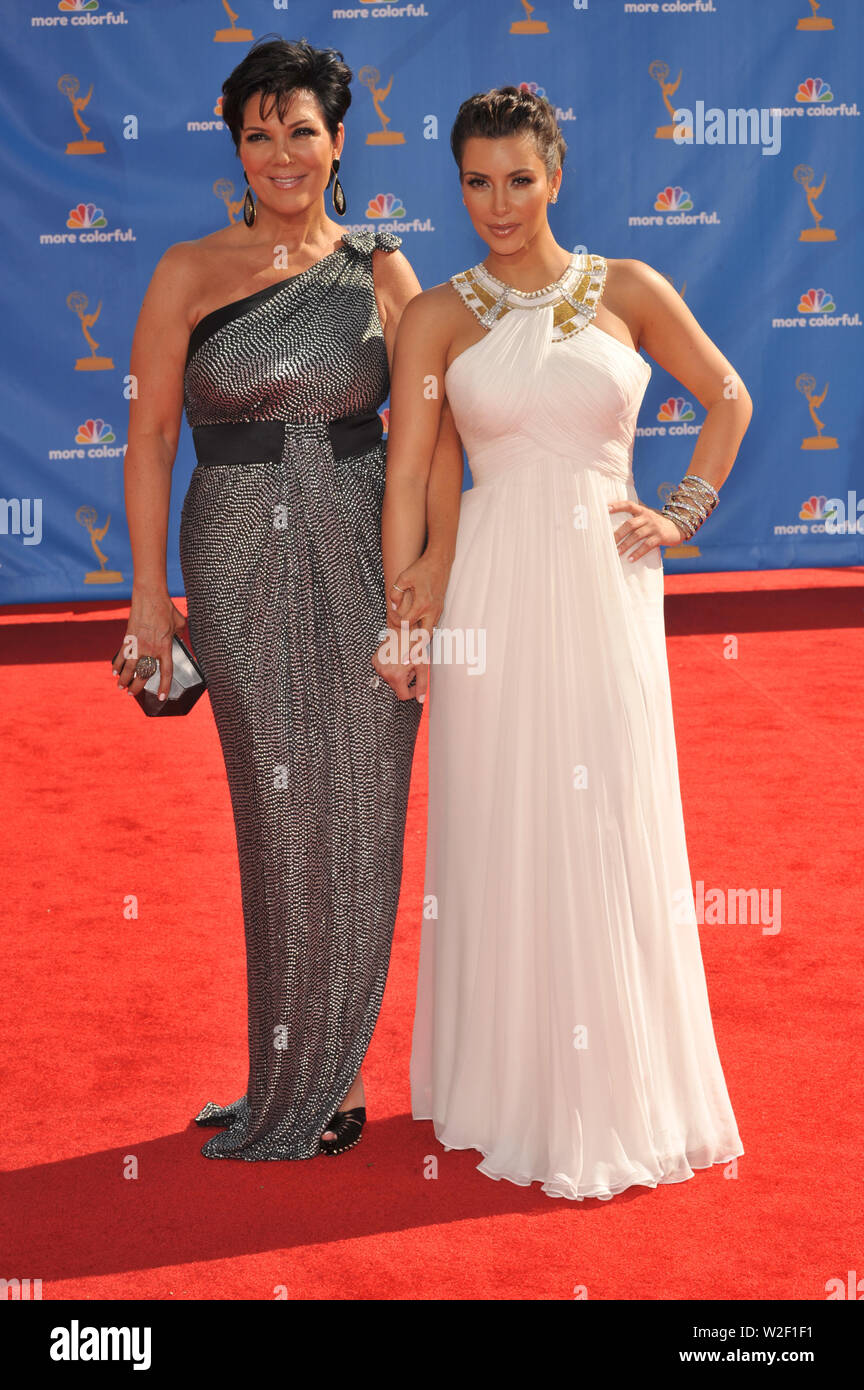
690	505
693	494
693	515
685	524
702	500
692	501
702	482
699	491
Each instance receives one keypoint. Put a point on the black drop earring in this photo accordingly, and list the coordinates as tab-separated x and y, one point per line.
249	209
339	203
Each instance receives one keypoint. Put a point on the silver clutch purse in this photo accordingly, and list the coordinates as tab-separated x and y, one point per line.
187	684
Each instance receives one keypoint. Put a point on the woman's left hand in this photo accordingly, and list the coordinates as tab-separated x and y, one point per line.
646	529
403	662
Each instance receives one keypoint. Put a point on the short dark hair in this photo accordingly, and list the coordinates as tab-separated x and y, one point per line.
510	111
274	67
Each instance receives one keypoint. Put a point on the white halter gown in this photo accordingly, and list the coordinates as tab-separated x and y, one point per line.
563	1026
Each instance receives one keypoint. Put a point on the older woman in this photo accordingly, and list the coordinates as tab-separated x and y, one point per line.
276	334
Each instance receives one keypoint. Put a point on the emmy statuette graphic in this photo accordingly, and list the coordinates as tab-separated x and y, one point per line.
529	25
370	77
803	174
807	386
814	22
86	516
660	72
77	302
223	188
70	86
232	35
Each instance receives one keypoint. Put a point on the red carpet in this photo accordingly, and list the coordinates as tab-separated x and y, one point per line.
121	1023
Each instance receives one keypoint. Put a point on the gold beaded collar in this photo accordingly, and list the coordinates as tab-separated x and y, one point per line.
575	295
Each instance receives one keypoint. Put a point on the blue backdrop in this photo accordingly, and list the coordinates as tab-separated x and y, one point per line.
113	149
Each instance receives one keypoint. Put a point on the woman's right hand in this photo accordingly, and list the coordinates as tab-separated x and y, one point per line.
417	596
153	621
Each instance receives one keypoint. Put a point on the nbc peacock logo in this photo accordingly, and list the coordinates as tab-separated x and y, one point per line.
674	410
385	205
813	90
94	432
78	6
84	216
816	302
385	419
814	97
94	439
814	509
671	199
816	309
85	223
675	416
827	516
673	206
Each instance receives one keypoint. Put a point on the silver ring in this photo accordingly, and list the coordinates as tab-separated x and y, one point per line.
145	667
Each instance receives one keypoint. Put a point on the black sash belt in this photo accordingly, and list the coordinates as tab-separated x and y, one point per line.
262	441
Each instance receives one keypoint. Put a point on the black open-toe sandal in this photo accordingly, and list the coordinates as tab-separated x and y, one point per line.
347	1125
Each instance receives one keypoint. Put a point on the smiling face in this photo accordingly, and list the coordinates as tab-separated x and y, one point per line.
506	190
287	162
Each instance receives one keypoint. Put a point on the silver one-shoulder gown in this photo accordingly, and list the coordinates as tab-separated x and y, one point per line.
280	550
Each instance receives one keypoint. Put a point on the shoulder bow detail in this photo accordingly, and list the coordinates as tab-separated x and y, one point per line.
367	240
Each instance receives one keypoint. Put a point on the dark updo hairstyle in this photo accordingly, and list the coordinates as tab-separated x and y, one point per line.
510	111
273	67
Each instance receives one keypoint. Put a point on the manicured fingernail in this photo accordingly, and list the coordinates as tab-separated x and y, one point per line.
420	699
161	696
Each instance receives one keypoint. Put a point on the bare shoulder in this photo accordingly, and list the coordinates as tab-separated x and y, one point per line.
171	291
393	274
640	296
636	289
436	309
633	284
181	268
176	260
204	254
191	254
186	270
